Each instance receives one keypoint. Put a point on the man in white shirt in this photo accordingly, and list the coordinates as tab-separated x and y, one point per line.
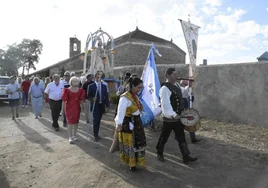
53	91
172	106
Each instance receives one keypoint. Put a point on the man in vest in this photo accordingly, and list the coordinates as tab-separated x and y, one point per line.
172	105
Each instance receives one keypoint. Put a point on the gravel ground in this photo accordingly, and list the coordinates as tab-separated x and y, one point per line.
32	154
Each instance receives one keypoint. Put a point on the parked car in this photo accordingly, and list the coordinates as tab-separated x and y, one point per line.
4	81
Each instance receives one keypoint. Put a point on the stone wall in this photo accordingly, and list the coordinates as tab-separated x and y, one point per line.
182	70
233	93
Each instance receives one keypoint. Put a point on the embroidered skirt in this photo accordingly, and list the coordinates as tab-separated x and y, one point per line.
132	143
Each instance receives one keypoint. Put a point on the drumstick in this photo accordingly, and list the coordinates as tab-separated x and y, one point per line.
189	79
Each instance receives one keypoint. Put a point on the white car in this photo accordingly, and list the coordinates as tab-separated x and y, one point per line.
4	81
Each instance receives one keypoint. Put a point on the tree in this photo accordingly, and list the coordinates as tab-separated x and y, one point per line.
25	55
10	60
31	49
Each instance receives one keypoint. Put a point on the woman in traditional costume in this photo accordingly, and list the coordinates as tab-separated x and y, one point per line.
132	140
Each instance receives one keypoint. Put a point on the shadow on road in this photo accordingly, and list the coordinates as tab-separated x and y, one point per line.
220	164
48	124
33	136
3	180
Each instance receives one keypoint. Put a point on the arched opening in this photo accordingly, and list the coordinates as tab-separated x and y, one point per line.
74	47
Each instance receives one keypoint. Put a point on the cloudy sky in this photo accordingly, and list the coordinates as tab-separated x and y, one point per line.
231	31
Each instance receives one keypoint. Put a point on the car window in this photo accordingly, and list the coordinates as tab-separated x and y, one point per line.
4	81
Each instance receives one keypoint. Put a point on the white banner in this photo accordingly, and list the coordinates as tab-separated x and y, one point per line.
191	36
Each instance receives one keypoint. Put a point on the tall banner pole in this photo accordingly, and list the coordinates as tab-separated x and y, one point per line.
190	32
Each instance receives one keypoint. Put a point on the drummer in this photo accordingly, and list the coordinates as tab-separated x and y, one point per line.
172	105
184	86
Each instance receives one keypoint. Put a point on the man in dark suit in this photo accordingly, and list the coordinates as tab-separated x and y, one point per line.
98	96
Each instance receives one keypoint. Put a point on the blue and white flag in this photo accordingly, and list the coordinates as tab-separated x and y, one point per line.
149	95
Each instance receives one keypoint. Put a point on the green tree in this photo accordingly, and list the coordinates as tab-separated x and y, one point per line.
25	55
31	50
10	60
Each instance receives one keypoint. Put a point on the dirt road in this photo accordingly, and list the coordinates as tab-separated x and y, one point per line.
32	154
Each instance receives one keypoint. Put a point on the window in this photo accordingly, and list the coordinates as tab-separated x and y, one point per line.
75	47
4	81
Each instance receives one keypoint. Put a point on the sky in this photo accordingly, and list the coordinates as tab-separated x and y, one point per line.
231	31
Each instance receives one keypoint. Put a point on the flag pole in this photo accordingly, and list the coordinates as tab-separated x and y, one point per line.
191	72
91	118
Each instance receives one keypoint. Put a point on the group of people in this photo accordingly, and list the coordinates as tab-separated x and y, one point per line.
18	92
129	133
70	95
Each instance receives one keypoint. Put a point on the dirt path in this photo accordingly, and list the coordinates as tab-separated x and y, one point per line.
32	154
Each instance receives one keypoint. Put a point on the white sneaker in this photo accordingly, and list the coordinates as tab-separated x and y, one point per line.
71	141
75	138
22	106
26	106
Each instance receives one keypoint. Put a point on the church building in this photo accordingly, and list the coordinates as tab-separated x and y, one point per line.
131	51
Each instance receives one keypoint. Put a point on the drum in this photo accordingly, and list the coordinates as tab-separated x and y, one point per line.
191	120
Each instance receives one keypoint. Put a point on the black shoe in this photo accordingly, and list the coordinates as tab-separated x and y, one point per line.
40	115
57	128
95	139
195	140
132	168
160	157
87	121
64	124
17	115
98	137
188	159
36	117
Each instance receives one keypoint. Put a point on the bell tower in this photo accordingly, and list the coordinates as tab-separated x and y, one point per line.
75	47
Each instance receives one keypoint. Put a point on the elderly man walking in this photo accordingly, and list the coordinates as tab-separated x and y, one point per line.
37	92
53	91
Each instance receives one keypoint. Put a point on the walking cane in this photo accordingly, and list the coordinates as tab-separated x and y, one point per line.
91	114
91	117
